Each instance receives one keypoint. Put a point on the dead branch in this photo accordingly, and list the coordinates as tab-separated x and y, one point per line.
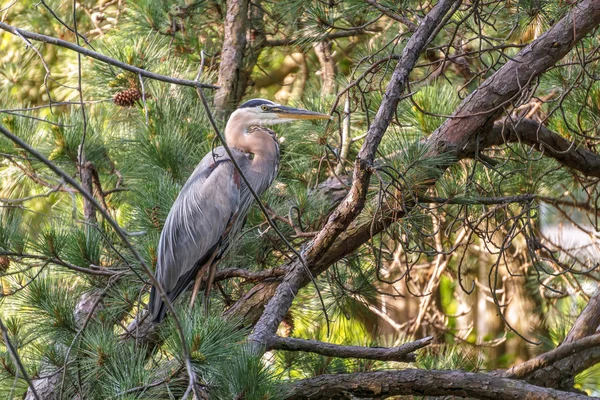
403	353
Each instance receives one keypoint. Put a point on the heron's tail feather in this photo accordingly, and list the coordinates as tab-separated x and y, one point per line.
157	307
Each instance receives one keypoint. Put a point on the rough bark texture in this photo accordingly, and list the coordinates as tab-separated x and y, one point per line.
86	172
403	353
588	321
561	374
422	383
45	387
323	52
547	359
244	39
532	133
477	113
232	55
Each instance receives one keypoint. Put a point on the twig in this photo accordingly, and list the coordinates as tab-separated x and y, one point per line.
403	353
15	356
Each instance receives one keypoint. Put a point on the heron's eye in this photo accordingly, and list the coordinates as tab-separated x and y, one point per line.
264	108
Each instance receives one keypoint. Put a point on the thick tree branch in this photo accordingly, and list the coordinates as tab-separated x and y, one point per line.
354	202
101	57
544	360
588	321
403	353
539	137
249	276
475	116
232	56
419	382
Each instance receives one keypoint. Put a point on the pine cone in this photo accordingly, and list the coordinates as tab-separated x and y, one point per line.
4	263
127	98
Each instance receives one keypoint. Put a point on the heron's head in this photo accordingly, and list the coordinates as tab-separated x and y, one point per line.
265	112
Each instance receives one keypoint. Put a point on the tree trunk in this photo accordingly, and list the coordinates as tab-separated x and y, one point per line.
232	55
243	42
323	52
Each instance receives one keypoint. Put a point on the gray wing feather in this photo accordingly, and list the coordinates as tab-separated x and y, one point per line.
197	221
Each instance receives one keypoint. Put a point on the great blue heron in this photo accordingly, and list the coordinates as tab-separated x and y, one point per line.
212	206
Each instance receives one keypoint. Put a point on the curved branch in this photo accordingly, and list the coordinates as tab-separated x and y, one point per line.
402	353
539	137
568	349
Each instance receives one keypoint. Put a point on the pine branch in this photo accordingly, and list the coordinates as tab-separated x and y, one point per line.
16	359
101	57
418	382
57	261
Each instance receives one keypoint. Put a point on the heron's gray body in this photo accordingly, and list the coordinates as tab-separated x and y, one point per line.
208	213
212	206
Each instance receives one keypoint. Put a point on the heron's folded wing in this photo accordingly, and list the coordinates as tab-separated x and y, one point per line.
198	219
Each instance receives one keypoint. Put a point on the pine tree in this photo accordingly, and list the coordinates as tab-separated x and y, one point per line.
452	242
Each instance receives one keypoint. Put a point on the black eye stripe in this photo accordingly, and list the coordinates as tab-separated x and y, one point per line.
257	103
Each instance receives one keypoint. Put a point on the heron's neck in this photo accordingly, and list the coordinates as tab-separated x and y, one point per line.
257	142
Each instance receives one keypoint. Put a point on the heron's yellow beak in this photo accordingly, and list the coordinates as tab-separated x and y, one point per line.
297	113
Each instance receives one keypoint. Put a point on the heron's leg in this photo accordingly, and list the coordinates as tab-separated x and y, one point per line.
209	282
200	275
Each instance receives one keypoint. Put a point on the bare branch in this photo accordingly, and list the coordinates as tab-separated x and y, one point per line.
567	349
403	353
551	144
313	39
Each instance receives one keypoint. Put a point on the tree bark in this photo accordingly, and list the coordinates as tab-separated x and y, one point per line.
243	42
402	353
232	55
588	321
418	382
475	116
323	52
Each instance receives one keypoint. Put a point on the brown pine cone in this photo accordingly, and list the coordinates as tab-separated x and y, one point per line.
127	98
4	263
